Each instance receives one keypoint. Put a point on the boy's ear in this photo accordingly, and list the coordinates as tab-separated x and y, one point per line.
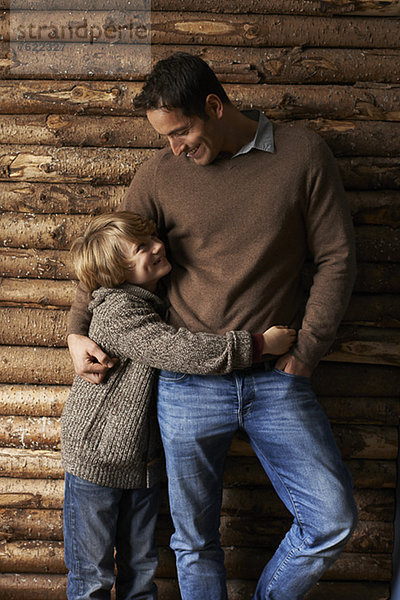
214	106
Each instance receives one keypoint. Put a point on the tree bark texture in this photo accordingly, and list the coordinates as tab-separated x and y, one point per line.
363	101
311	7
120	27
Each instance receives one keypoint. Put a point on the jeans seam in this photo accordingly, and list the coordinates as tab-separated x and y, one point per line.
283	564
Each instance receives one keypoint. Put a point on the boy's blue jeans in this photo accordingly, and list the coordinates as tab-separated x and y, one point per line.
98	519
291	436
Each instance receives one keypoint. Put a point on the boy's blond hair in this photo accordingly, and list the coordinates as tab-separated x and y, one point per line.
98	255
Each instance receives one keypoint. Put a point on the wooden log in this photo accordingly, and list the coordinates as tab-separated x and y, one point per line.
31	464
70	165
263	30
50	231
370	173
101	28
239	470
32	400
381	242
32	586
53	587
247	470
349	590
374	310
50	198
247	563
294	7
45	327
33	326
374	207
77	130
35	432
20	364
369	537
368	411
26	230
299	64
56	264
32	556
359	102
346	138
366	344
352	138
48	400
23	524
250	65
104	165
356	441
350	380
373	505
36	264
378	277
31	493
45	293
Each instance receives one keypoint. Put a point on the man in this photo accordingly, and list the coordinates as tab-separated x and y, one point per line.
241	203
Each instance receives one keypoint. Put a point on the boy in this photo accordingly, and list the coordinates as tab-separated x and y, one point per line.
110	444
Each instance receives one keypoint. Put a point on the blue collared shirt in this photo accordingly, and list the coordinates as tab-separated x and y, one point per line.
264	138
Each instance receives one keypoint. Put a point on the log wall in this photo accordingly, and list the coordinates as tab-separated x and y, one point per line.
69	146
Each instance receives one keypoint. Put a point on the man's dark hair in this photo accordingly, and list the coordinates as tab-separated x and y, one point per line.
180	81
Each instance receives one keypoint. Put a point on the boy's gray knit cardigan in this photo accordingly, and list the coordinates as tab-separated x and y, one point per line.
108	436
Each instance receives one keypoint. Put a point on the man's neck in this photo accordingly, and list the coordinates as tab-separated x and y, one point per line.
240	130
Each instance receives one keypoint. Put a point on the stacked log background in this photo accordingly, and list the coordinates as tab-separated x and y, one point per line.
69	146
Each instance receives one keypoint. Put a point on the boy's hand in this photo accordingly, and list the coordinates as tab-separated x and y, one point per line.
278	339
90	362
291	364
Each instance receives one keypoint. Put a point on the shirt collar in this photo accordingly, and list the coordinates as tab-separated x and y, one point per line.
264	138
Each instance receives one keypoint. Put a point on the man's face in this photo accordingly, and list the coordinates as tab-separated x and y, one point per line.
199	140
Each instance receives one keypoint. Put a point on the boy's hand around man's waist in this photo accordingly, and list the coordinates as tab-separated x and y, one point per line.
90	362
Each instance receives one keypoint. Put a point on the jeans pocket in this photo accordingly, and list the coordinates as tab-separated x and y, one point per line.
171	376
292	375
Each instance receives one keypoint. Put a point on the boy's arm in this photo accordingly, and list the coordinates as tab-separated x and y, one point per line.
138	332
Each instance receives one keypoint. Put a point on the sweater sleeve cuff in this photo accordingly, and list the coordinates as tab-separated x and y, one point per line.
258	346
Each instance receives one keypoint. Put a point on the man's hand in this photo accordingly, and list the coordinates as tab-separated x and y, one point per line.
291	364
90	362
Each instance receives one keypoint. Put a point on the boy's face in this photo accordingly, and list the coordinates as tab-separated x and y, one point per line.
147	261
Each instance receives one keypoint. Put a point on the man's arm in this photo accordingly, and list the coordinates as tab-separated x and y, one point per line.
330	238
90	362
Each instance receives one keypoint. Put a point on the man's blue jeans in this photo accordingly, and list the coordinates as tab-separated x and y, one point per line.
98	519
291	436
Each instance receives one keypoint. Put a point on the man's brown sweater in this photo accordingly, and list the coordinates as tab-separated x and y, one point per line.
238	232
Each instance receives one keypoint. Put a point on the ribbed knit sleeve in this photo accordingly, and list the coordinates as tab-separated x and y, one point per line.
140	334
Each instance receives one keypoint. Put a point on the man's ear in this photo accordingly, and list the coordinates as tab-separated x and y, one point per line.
214	106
